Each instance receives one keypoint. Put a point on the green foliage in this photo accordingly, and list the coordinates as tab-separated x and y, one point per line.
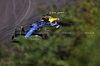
75	44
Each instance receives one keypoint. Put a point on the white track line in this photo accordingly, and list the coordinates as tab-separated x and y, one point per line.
18	21
21	19
26	12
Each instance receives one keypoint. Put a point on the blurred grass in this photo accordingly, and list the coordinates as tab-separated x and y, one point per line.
74	45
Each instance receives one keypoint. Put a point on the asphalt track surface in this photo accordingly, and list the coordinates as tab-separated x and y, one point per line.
14	13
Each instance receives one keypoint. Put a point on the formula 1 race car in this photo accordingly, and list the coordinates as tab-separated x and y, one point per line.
35	28
21	31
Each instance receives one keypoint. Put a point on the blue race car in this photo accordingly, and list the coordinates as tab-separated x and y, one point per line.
34	28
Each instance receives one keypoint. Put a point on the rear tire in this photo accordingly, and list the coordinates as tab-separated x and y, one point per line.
20	31
13	36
